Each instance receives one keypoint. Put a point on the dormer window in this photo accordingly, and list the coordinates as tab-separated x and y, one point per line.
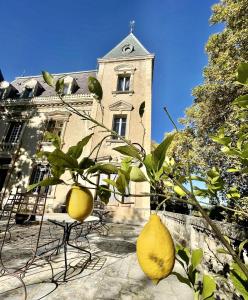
28	93
7	90
70	85
32	88
67	89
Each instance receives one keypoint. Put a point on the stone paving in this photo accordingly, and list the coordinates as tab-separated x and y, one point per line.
112	274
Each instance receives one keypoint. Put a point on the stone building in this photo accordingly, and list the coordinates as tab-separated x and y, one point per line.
29	107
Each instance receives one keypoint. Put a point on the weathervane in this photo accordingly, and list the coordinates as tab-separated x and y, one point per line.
132	23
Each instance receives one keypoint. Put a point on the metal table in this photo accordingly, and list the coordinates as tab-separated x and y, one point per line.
63	220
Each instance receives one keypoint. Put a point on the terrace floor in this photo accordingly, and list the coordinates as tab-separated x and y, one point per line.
112	274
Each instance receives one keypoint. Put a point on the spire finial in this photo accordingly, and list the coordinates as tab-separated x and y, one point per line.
132	23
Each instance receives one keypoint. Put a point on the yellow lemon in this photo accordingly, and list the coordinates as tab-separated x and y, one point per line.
79	203
155	250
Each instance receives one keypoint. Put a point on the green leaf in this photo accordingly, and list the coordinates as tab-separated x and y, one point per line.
233	193
103	193
183	255
103	168
60	159
200	192
222	251
45	182
223	141
48	78
241	101
196	295
244	170
239	280
160	152
95	87
149	163
192	273
126	164
109	181
179	191
59	87
53	138
86	162
196	257
243	73
181	278
129	151
233	170
125	173
57	171
142	109
198	178
76	151
213	173
209	286
230	151
121	183
137	175
168	183
179	247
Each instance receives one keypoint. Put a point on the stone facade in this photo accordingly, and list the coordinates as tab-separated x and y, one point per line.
30	107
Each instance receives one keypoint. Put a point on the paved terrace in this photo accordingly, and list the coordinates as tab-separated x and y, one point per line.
112	274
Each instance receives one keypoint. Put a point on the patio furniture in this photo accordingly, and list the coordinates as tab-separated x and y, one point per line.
68	224
5	212
101	212
27	243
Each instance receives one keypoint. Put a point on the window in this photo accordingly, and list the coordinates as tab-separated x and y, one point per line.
55	126
2	93
3	175
28	93
67	89
4	167
119	125
123	83
39	173
14	132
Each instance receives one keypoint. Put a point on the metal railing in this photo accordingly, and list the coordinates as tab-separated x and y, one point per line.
7	147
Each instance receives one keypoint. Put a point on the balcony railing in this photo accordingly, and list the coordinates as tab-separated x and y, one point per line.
8	147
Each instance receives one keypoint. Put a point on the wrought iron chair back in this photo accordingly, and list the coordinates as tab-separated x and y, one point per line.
101	212
7	206
20	249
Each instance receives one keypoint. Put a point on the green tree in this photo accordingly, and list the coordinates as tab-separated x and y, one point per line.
212	105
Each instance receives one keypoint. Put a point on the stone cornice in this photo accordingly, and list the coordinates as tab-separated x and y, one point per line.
143	57
50	101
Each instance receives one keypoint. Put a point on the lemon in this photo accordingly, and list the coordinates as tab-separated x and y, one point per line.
79	203
155	250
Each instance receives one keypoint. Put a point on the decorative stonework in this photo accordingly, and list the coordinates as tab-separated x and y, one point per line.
58	115
125	68
121	106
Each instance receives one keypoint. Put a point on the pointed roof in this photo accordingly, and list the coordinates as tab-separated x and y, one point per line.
130	46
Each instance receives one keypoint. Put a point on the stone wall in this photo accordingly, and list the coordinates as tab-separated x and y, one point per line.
194	232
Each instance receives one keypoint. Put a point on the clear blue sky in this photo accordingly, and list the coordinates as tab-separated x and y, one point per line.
64	36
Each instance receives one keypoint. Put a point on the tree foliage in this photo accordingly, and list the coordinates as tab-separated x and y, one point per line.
212	105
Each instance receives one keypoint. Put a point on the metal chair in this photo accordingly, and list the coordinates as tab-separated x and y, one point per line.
101	212
30	239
